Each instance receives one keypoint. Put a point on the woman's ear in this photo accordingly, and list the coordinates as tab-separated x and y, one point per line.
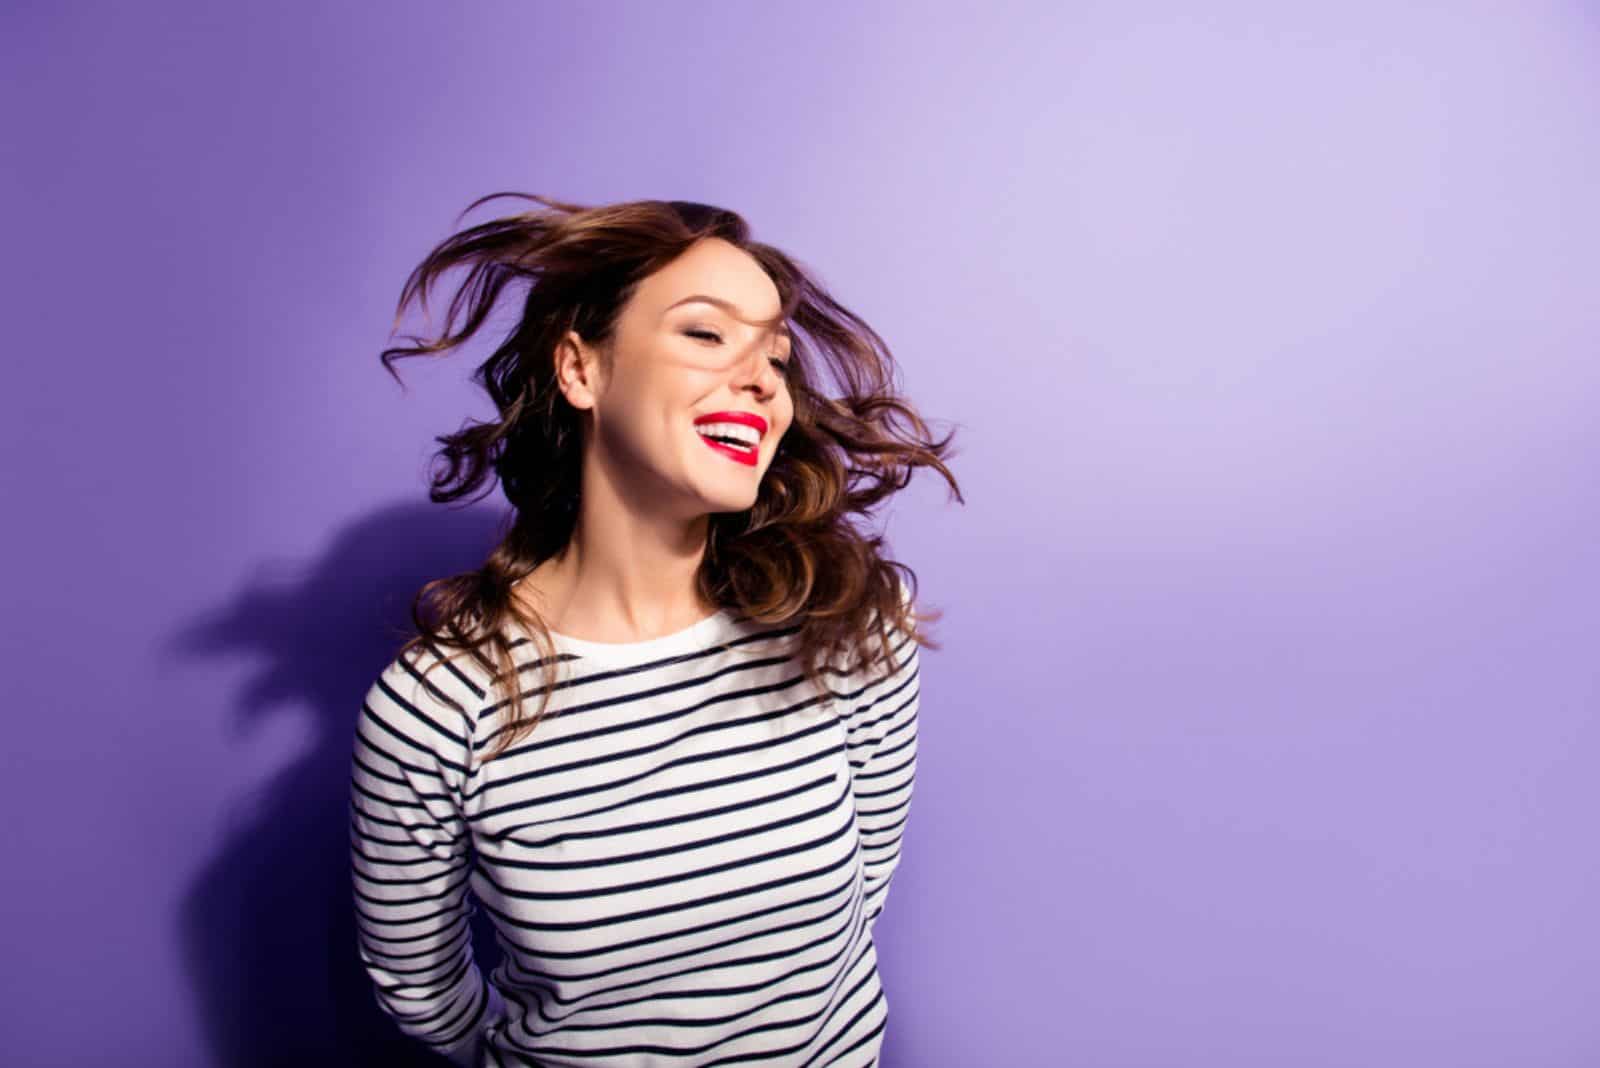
578	371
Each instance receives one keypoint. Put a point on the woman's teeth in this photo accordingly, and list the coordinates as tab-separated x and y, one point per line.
731	434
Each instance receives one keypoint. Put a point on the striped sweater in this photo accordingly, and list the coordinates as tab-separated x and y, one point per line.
682	863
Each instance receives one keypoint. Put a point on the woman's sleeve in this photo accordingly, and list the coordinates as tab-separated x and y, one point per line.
410	855
882	733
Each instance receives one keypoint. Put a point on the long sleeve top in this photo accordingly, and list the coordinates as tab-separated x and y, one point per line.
683	862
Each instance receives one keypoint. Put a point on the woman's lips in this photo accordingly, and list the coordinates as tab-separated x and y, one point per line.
749	419
748	457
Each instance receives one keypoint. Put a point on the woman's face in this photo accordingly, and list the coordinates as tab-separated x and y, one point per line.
679	356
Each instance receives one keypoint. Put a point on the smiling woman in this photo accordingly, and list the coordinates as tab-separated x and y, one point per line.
685	846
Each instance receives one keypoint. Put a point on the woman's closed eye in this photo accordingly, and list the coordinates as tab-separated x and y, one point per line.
710	335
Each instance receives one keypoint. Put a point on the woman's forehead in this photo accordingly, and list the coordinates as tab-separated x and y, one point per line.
717	274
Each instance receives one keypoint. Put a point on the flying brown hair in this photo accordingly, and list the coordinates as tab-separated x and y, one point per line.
796	557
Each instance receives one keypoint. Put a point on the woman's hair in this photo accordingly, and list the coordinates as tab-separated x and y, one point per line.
796	557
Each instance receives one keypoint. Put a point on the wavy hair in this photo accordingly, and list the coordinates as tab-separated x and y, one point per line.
796	557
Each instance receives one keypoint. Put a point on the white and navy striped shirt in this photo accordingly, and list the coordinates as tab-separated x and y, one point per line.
683	861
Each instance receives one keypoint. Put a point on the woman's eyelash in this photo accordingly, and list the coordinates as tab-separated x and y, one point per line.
782	365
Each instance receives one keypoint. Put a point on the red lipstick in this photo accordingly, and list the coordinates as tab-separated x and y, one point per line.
745	418
736	444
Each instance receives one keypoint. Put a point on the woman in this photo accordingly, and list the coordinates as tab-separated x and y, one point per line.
683	849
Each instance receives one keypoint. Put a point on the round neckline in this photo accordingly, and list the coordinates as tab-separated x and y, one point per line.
679	641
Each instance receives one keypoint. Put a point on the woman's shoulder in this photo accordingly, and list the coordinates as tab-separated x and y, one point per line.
428	696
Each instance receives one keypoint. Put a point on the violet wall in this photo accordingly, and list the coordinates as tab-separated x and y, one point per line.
1266	723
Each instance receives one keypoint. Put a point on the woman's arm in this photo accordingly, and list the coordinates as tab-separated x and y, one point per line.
410	856
882	733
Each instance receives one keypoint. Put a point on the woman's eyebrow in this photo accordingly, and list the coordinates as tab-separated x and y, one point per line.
725	305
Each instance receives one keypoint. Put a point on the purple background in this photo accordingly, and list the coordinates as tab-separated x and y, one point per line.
1265	727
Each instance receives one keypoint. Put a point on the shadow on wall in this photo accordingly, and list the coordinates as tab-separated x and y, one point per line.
269	926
